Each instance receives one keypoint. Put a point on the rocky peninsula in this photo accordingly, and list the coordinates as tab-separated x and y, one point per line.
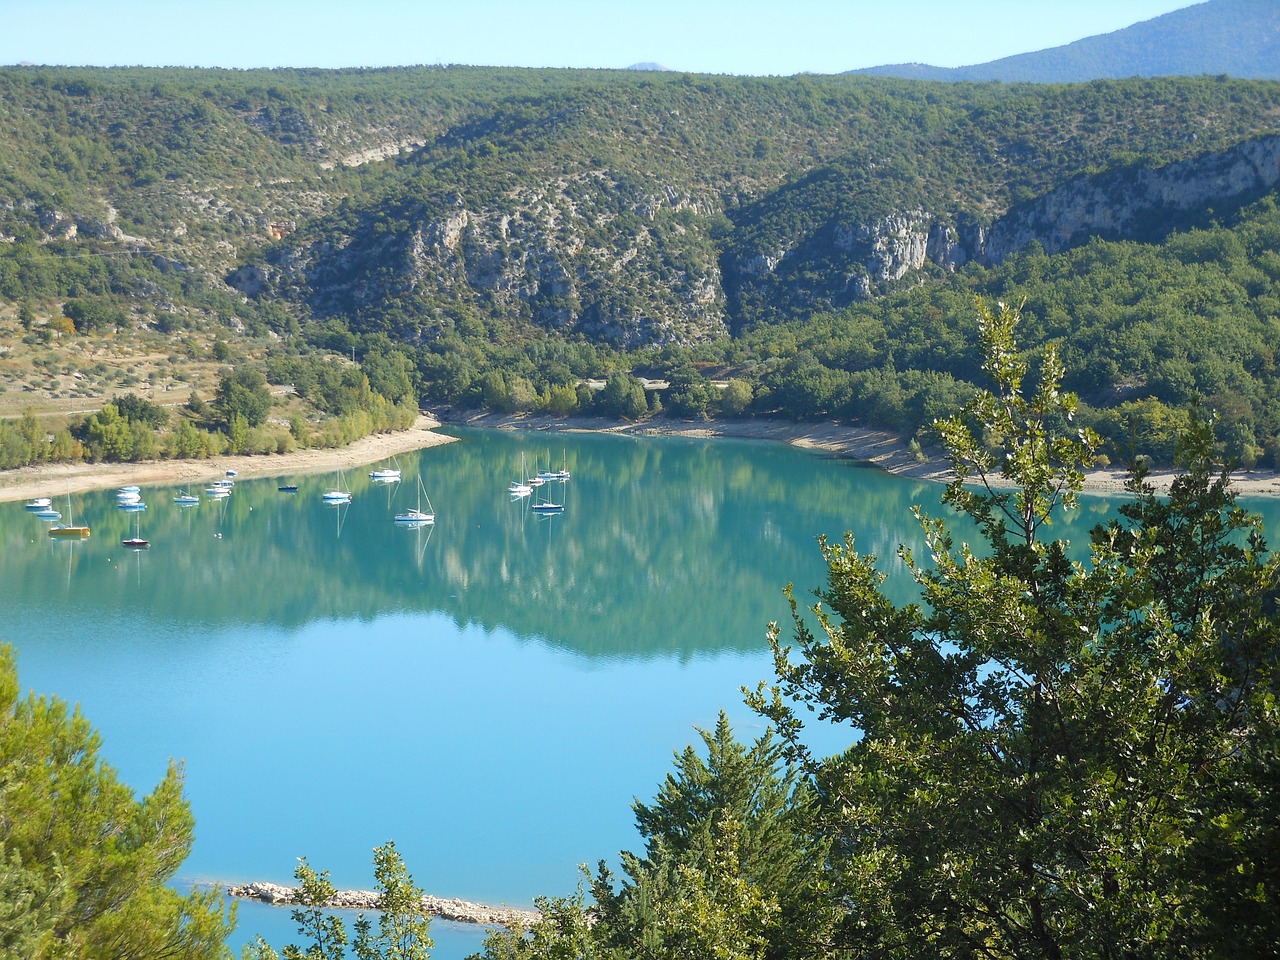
446	908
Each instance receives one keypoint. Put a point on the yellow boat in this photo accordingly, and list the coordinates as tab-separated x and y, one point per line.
70	530
78	531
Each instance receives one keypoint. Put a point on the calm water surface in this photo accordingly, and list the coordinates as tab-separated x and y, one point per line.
491	693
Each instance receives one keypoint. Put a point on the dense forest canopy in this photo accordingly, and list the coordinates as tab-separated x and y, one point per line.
802	247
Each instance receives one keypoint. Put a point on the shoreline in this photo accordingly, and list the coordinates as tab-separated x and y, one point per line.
445	908
59	479
879	448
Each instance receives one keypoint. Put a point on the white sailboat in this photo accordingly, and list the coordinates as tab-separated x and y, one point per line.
337	494
385	475
418	517
520	488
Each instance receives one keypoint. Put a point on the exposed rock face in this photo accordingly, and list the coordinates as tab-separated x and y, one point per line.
636	264
462	911
1117	204
1114	205
575	255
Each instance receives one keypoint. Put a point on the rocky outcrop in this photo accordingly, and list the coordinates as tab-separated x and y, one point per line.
640	264
1117	205
1121	204
461	911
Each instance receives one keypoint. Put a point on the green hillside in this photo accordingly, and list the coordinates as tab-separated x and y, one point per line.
801	247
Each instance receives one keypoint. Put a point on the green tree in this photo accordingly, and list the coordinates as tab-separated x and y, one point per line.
565	930
138	409
325	929
736	397
730	863
108	435
622	396
243	393
1042	738
85	866
94	316
403	927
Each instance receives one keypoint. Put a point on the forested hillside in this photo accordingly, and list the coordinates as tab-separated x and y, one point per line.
802	247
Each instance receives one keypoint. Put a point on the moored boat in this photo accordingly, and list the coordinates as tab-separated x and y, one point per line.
39	503
418	517
69	530
337	494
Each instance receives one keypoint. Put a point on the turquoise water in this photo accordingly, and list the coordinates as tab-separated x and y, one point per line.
491	693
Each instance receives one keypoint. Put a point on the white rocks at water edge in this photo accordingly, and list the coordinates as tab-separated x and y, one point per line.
461	911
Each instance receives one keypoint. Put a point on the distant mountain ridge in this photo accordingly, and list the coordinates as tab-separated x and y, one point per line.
1239	38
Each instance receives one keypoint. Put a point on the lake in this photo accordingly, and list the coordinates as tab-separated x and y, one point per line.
492	692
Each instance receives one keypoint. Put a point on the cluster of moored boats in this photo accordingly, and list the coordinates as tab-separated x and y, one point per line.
129	499
544	503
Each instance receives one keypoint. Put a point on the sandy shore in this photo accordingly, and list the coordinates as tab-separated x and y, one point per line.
885	450
59	479
877	447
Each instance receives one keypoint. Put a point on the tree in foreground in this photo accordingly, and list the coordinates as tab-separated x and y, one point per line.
84	865
731	870
1055	757
403	928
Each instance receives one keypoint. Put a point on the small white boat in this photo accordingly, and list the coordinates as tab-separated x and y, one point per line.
388	475
418	517
128	496
547	507
130	489
133	506
39	503
520	488
218	493
186	499
337	494
48	513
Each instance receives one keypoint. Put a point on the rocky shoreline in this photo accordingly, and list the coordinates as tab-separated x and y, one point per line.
446	908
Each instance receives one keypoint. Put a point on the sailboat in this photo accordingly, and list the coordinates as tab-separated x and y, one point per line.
520	488
562	474
385	475
187	499
135	542
337	494
418	517
69	530
546	507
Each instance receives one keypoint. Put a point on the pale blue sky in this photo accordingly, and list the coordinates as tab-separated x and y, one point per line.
702	36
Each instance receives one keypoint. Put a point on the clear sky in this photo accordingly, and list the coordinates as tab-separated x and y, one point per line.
752	37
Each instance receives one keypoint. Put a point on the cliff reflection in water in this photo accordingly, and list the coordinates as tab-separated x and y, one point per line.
667	546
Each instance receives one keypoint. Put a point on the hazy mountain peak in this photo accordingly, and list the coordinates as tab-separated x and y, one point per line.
1240	38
